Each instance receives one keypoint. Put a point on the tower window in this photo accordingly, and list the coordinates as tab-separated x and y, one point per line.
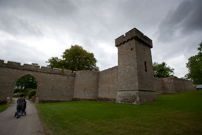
145	66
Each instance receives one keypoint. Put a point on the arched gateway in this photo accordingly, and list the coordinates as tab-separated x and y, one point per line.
53	84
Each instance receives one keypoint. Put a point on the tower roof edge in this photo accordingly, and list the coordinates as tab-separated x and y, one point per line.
133	34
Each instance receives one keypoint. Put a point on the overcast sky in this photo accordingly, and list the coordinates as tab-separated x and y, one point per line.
32	31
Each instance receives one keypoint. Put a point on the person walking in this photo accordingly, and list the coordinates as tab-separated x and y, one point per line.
21	105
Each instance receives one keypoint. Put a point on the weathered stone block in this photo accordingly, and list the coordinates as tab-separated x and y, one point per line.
68	72
1	62
45	69
57	71
119	40
135	97
30	67
11	64
128	97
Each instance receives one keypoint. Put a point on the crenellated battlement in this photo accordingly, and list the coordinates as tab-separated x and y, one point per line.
17	65
133	34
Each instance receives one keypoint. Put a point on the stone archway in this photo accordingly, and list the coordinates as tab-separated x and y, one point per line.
8	80
25	84
52	84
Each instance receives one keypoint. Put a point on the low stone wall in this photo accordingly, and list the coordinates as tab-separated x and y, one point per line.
172	85
108	83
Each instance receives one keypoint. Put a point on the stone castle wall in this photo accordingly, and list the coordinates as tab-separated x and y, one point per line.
52	84
86	85
158	85
55	85
108	83
172	85
58	85
132	81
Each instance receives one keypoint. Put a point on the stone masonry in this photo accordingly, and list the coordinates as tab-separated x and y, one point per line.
135	70
131	82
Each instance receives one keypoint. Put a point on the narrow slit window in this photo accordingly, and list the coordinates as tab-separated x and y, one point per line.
145	66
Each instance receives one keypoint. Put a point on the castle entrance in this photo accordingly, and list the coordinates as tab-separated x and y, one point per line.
26	85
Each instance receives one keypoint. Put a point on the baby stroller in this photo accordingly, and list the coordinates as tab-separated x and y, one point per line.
20	111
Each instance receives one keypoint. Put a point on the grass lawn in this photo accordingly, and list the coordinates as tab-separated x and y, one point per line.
3	107
174	114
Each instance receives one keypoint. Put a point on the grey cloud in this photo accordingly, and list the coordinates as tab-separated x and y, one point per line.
18	26
194	22
41	7
180	31
16	51
184	20
29	18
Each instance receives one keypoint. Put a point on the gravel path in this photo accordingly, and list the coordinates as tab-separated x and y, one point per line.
25	125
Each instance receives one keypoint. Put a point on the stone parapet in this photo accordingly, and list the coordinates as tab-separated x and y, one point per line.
11	64
1	62
17	65
133	34
31	67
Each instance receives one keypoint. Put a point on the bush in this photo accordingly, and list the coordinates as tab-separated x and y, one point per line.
32	93
16	95
17	90
25	91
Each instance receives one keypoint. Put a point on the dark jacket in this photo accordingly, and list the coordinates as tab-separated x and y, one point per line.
21	102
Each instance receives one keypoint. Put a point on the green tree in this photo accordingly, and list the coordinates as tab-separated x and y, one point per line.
35	64
55	62
162	70
74	59
194	66
26	82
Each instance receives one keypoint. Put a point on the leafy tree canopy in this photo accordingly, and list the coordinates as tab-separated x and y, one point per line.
74	59
162	70
194	66
35	64
26	82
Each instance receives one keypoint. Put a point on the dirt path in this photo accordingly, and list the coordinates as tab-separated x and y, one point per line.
25	125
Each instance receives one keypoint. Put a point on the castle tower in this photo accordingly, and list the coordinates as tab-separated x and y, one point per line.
135	70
